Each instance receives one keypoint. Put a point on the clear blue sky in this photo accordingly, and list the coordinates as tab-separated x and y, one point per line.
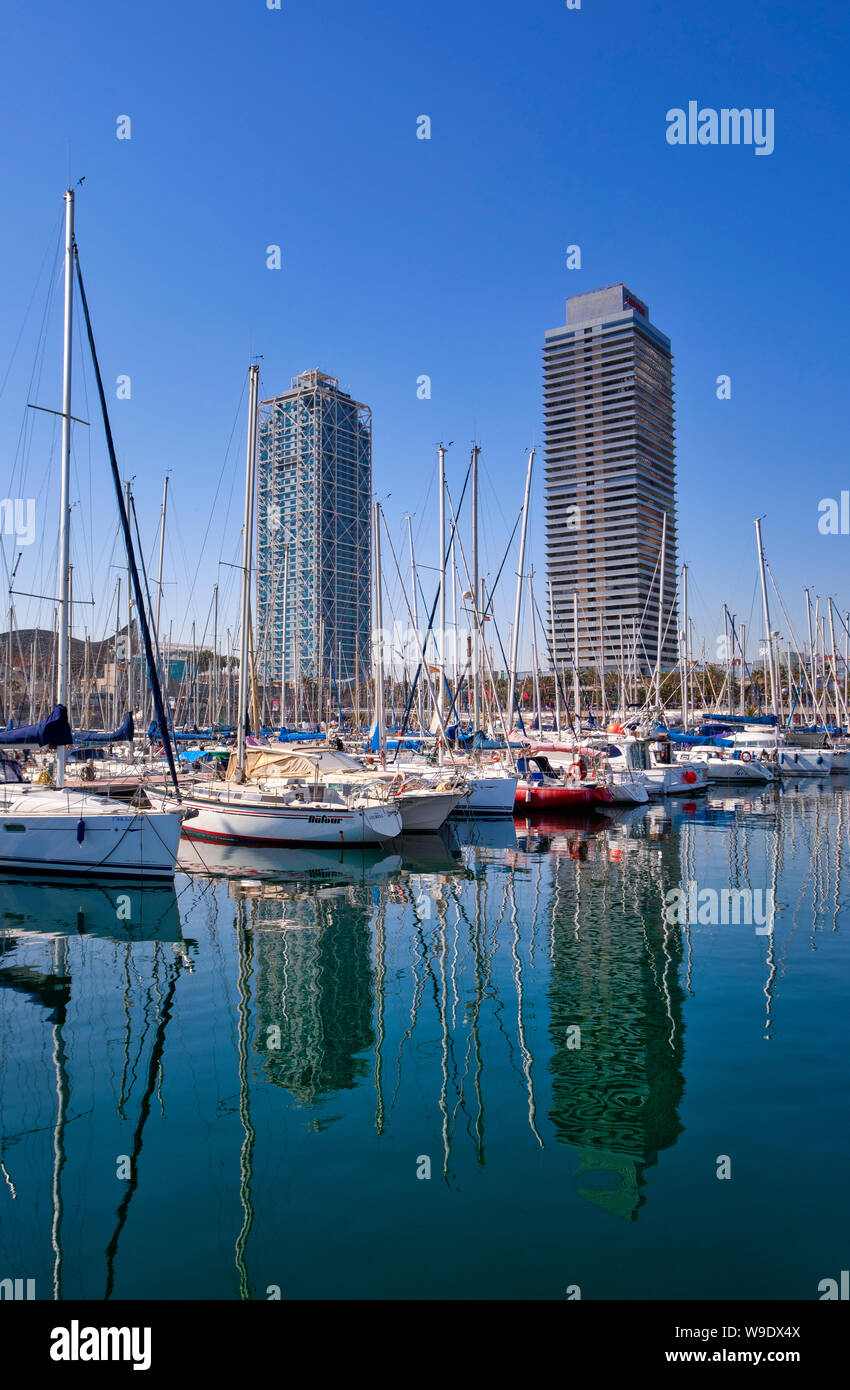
404	257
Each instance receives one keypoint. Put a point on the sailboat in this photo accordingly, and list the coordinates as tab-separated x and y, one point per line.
286	803
59	830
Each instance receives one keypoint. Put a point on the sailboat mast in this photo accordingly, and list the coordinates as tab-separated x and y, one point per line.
282	719
441	655
660	611
685	666
475	587
148	697
576	681
766	611
518	599
554	661
415	602
247	552
64	492
379	644
539	712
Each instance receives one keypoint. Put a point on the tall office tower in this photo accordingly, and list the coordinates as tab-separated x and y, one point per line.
314	494
610	478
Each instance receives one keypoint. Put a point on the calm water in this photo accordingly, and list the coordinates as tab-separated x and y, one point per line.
269	1060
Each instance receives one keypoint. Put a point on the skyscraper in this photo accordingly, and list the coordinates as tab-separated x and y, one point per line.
610	477
314	492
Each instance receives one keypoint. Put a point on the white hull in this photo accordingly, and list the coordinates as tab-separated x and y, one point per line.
427	810
627	791
45	830
489	796
678	780
804	762
734	769
237	818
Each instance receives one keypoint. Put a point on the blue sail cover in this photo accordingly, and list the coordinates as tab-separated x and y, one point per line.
52	732
411	741
125	733
698	740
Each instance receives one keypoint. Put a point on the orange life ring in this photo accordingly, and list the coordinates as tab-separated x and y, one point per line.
578	769
746	756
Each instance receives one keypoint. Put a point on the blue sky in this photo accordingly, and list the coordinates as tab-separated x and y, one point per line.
445	257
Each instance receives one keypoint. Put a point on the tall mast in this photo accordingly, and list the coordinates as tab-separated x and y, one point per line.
766	612
554	662
660	611
379	625
534	649
846	655
212	690
685	668
415	606
475	587
518	599
576	682
247	553
283	634
65	487
441	656
159	569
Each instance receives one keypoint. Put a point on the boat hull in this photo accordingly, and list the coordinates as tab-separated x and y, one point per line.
530	796
427	811
138	847
489	796
804	762
226	822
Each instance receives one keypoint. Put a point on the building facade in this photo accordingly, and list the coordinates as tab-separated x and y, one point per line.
610	479
314	492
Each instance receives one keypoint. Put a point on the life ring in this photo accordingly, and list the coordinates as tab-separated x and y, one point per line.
578	770
746	756
689	775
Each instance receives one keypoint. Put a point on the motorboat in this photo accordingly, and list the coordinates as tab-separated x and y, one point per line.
544	787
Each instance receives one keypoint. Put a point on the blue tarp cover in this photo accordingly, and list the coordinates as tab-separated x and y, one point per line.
52	732
123	734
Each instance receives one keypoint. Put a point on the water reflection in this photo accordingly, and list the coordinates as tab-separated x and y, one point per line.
617	1081
510	992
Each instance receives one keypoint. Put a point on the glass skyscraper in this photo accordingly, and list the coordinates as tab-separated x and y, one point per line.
610	477
314	492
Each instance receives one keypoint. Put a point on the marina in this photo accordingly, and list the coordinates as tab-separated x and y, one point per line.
424	682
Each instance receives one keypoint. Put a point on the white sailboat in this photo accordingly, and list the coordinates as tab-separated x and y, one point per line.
58	830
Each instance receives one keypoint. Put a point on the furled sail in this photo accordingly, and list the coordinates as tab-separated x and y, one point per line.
123	734
52	732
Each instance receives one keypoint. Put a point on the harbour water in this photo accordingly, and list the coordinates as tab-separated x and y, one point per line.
481	1065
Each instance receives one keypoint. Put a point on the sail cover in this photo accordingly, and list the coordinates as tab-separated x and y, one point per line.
123	734
52	732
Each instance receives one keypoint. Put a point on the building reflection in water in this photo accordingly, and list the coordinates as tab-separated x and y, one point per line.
616	1084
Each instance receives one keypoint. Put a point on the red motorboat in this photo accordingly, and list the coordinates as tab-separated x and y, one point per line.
541	788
